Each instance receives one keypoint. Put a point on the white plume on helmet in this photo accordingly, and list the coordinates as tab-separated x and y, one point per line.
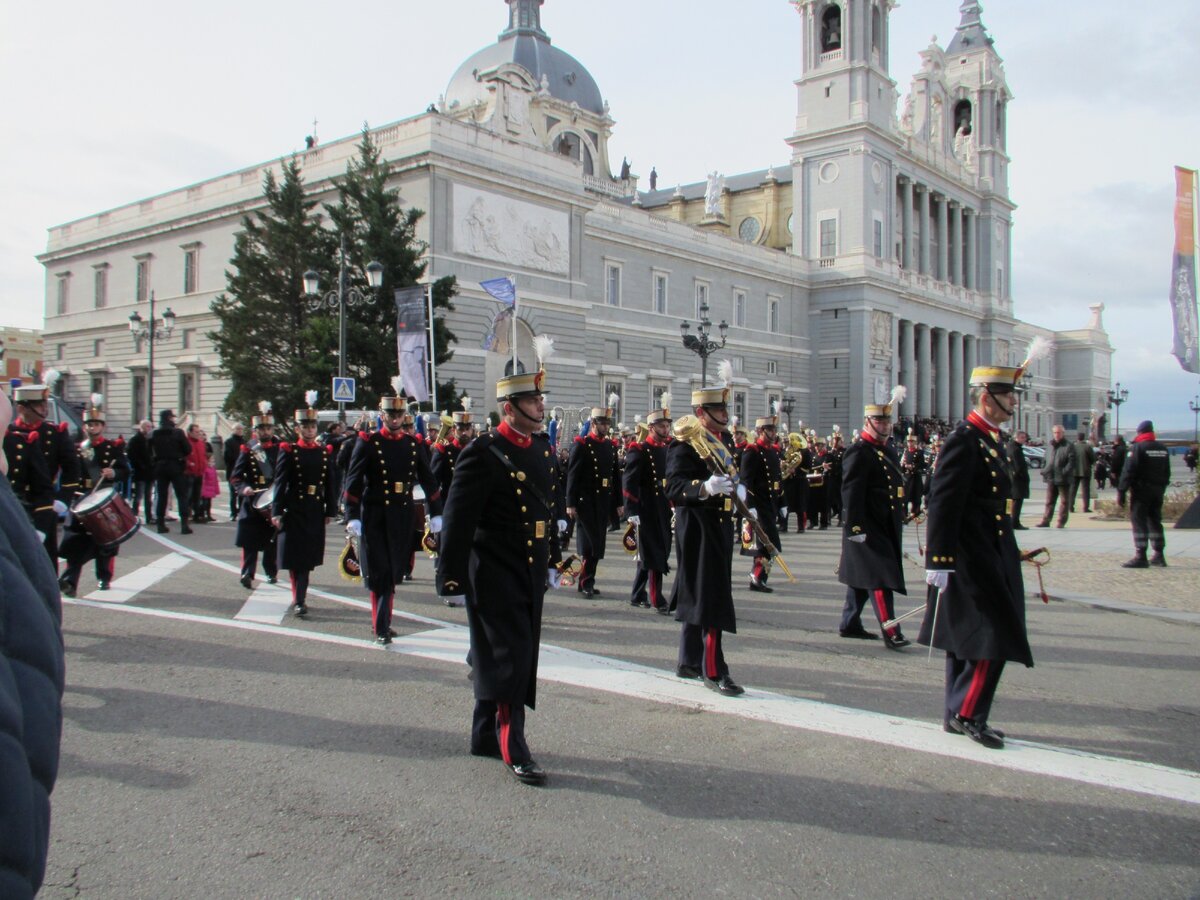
725	372
50	377
264	406
97	399
543	348
398	385
899	392
310	397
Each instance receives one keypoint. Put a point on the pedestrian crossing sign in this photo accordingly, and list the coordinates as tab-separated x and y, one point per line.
343	390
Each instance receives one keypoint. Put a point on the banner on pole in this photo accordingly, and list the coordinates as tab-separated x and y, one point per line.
1183	273
502	289
411	335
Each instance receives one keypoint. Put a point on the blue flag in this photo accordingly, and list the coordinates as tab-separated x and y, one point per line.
503	289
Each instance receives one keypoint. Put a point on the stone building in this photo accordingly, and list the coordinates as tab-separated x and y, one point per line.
880	253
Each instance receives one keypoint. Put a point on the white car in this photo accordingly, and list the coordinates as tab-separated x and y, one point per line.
1035	456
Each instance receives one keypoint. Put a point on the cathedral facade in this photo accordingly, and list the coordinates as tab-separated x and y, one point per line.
880	255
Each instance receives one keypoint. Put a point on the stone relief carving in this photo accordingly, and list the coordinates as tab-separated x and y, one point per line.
881	333
712	194
935	122
964	148
510	231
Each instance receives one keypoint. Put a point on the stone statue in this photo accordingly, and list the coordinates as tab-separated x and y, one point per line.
712	194
935	122
653	178
964	148
906	119
624	169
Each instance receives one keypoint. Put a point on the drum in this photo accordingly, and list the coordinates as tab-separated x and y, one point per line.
264	500
816	480
106	516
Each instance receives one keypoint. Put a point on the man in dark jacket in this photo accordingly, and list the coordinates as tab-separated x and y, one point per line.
761	475
976	612
1059	475
31	688
873	505
1145	477
141	463
170	448
1119	450
1020	466
230	450
645	491
1085	460
593	494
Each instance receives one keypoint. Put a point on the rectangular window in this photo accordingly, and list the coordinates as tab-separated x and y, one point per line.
139	398
100	285
97	348
63	299
60	352
773	314
618	388
187	337
660	293
701	299
656	395
612	285
142	280
97	384
772	399
739	309
187	392
191	270
878	239
828	238
772	367
739	407
999	282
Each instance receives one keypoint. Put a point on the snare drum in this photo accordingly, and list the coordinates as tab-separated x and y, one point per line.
106	516
263	502
816	480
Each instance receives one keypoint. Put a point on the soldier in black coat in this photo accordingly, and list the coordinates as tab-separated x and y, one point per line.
763	480
305	503
101	462
914	463
58	451
976	612
836	456
644	488
593	494
253	475
872	565
28	475
704	512
444	454
1144	478
499	549
384	467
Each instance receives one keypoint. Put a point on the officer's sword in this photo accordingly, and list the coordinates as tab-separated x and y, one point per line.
933	629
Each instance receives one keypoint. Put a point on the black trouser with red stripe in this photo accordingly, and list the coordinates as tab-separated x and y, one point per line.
970	686
587	574
882	602
500	727
647	581
700	648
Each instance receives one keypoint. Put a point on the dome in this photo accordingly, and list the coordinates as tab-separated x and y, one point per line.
525	44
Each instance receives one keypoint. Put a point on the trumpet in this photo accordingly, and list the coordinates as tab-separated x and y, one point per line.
713	452
445	427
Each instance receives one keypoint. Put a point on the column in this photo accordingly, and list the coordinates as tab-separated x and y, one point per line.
943	270
971	221
942	349
906	366
956	257
909	260
924	371
925	248
971	359
958	380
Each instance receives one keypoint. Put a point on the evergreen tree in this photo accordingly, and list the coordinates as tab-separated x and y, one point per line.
376	227
270	345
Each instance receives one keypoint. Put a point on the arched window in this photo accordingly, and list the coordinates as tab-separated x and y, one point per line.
962	116
876	31
831	28
570	144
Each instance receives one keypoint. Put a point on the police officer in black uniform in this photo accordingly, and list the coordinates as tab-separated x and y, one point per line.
644	489
499	548
976	610
305	502
704	512
593	494
872	566
1144	479
384	466
254	474
761	475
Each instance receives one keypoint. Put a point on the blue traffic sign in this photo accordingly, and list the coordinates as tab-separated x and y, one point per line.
343	390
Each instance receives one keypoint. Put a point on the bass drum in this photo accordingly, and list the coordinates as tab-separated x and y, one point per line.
263	501
106	516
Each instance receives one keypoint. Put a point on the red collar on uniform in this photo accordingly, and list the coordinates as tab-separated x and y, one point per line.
870	438
307	445
513	436
983	425
1145	436
388	435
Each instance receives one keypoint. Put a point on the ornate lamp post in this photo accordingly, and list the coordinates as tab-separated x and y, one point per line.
339	298
701	343
1116	397
1194	406
151	330
786	405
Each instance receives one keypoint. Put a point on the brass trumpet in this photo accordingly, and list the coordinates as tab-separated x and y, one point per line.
445	428
569	570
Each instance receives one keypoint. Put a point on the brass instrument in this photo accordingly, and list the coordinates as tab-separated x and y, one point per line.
642	430
569	570
716	455
445	428
793	456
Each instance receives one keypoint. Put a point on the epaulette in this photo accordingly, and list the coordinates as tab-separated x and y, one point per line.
437	448
420	438
119	442
62	426
285	447
614	442
579	439
364	435
245	448
329	449
31	436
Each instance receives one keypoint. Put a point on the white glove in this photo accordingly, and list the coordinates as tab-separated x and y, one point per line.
635	520
354	527
553	578
857	539
562	525
754	514
455	600
718	484
783	511
435	524
60	509
741	492
939	578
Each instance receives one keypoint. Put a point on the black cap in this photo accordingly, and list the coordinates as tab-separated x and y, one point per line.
166	414
1145	426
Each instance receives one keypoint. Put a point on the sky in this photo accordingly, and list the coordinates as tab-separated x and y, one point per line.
106	104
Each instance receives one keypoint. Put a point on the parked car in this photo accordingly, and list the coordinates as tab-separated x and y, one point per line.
1035	456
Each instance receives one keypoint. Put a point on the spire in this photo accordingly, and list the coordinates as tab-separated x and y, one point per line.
971	33
525	18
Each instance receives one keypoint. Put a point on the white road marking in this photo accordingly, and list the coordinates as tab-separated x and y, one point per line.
269	604
128	586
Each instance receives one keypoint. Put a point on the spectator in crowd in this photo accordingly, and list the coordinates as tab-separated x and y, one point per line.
1020	466
1191	457
170	448
194	469
230	451
1059	475
141	463
1119	449
1085	459
1102	471
210	486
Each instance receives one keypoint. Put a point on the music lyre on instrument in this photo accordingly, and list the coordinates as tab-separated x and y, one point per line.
716	455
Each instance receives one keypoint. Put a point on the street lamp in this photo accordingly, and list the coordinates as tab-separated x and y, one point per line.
786	405
701	343
1194	406
1116	397
151	330
339	298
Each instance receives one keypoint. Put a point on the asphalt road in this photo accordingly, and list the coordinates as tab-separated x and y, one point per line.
210	755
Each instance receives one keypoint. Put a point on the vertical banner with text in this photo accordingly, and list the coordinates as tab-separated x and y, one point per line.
411	336
1183	273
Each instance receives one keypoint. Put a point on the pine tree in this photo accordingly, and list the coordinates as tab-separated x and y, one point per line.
376	227
271	346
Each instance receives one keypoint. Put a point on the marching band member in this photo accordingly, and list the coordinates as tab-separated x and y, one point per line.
446	453
305	502
644	488
253	473
761	475
872	565
28	475
593	492
913	462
